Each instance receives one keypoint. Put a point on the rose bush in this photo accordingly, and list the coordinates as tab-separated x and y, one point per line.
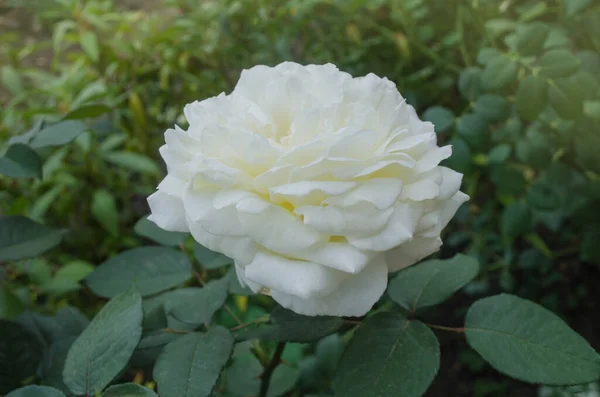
315	183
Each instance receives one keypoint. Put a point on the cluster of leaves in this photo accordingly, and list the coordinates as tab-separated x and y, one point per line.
513	86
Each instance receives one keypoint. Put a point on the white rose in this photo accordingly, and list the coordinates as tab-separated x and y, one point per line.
315	183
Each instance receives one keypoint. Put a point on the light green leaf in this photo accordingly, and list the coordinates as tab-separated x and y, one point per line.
104	209
22	238
565	99
132	161
20	353
572	7
87	112
128	390
67	278
20	161
531	97
291	327
151	269
190	365
526	341
492	107
499	73
592	109
58	134
11	79
36	391
210	259
105	346
389	355
559	63
469	83
441	117
432	282
150	230
89	43
199	307
531	38
499	154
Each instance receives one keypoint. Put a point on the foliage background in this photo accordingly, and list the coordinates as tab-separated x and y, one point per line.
513	85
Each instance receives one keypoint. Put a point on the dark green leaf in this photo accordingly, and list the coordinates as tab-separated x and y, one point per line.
36	391
150	230
152	269
461	156
531	97
132	161
508	181
283	380
499	154
243	376
20	161
590	247
469	83
389	355
58	134
190	365
499	73
473	127
528	342
22	238
291	327
87	112
441	117
492	107
565	100
531	38
235	287
104	209
128	390
543	196
432	282
210	259
516	220
199	307
559	63
10	304
20	353
105	346
51	367
68	321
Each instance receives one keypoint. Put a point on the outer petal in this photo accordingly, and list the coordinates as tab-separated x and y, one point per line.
355	296
167	212
299	278
410	253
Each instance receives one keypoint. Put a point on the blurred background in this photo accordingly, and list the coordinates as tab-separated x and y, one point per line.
513	85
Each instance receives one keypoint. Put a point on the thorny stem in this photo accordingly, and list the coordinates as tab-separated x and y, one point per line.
270	368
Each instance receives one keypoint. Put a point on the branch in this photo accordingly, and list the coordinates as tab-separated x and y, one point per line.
270	368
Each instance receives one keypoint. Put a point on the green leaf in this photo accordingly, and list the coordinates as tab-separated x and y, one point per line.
441	117
150	230
531	38
499	73
11	79
492	107
20	353
198	308
526	341
105	346
389	355
499	154
565	100
544	196
67	322
89	43
235	287
10	305
432	282
559	63
210	259
243	376
152	269
292	327
469	83
517	220
20	161
590	246
87	112
460	160
104	209
474	128
283	380
190	365
22	238
132	161
67	278
531	97
486	54
58	134
592	109
36	391
572	7
128	390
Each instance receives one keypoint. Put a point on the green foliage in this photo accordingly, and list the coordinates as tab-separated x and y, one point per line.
513	87
528	342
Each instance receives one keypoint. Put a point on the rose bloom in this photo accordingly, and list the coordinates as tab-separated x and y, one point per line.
315	183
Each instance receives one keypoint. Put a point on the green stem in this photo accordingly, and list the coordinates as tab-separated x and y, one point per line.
270	368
